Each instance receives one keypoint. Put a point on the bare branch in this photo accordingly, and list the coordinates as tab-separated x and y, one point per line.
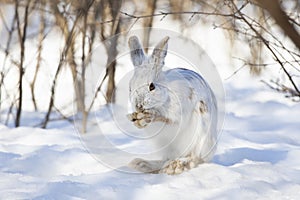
63	55
22	39
275	85
274	9
268	47
41	37
163	14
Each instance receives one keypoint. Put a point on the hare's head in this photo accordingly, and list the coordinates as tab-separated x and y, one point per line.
147	86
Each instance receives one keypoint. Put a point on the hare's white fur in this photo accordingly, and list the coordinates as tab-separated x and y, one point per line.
180	101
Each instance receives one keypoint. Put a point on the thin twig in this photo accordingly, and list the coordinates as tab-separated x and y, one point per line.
235	72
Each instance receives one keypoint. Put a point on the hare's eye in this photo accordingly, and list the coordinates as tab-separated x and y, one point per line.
151	86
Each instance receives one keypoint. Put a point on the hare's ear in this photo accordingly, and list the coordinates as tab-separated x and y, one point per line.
160	52
136	51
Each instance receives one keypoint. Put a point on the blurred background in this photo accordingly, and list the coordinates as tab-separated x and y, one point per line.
51	50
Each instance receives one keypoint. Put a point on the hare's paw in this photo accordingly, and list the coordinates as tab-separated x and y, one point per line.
179	165
174	167
145	166
141	119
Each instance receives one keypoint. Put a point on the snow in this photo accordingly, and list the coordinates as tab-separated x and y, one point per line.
257	158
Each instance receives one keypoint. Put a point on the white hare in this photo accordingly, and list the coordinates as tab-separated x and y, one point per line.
178	104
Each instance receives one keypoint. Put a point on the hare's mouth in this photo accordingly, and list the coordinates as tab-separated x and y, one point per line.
147	107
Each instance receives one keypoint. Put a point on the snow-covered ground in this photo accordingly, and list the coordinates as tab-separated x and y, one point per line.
257	158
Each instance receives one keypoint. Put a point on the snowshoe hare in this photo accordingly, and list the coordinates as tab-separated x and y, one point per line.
180	102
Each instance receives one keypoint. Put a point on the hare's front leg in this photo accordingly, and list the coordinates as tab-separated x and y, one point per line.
142	118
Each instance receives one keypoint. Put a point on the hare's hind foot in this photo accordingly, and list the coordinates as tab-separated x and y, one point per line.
180	165
146	166
170	167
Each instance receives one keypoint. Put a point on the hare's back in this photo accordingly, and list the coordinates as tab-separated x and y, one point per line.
188	79
192	78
